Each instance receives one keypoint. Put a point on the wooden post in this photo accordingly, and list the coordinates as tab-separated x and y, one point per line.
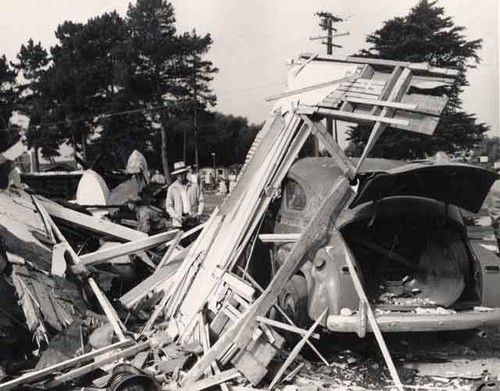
371	317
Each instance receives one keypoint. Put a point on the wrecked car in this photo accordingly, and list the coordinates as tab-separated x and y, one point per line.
405	228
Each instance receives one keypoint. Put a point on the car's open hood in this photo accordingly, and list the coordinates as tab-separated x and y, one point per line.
462	185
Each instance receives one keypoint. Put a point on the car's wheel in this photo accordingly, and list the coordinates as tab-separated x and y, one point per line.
293	300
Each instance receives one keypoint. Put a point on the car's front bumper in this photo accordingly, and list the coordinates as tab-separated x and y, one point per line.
409	322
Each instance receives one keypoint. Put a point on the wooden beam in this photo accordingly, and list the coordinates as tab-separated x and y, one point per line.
296	350
320	132
284	326
132	247
279	238
81	371
106	306
313	87
288	319
213	380
31	377
376	102
414	66
170	251
316	232
395	95
354	117
371	317
94	224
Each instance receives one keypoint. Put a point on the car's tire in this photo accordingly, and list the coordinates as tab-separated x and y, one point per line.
293	300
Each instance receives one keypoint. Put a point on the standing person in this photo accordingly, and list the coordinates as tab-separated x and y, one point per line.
184	202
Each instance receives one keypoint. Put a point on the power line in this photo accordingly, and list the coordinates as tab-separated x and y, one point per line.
104	115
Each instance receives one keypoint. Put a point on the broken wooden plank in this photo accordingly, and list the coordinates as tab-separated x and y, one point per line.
376	102
98	363
238	285
31	377
128	248
213	380
403	78
94	224
296	350
357	117
284	326
170	251
418	66
289	320
349	258
106	306
315	233
320	132
313	87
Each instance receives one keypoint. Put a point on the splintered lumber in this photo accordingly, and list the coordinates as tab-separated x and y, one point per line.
284	326
289	320
127	248
170	251
153	282
42	373
349	258
293	151
279	238
98	363
357	117
313	87
395	95
422	67
321	133
296	350
94	224
101	298
314	235
236	221
213	380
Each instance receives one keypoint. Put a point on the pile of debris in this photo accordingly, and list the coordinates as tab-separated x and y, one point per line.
198	318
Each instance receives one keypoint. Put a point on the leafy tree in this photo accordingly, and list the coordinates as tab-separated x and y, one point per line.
425	34
7	93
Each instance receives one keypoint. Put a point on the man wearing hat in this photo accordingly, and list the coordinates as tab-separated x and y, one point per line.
184	201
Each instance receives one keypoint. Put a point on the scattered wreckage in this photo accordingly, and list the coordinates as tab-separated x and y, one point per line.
200	316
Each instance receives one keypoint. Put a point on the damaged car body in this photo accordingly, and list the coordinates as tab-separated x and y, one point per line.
406	231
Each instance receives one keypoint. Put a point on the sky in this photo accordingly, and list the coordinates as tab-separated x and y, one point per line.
253	39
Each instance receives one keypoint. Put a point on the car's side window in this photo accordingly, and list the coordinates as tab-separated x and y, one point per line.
295	196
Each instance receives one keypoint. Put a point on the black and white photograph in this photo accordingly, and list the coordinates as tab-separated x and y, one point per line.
249	195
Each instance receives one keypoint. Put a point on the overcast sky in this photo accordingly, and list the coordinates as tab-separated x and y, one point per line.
253	39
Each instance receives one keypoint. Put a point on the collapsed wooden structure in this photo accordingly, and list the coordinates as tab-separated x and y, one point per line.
207	295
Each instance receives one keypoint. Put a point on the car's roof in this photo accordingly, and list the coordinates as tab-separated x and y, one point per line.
462	185
319	173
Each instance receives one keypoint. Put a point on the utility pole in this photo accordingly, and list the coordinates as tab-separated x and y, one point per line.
195	115
326	24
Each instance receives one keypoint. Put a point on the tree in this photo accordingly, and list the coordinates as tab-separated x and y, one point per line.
32	62
82	79
7	93
168	68
426	34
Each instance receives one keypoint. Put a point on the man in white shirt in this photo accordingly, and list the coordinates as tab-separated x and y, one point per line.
184	202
